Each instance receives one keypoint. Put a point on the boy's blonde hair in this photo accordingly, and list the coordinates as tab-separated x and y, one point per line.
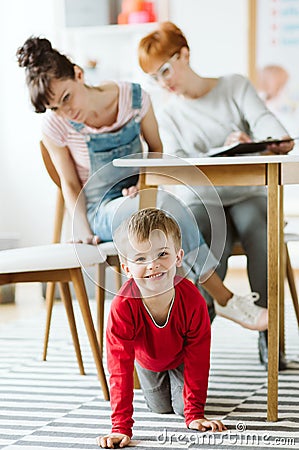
140	226
163	43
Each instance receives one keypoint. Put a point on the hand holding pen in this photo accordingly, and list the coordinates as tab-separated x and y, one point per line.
237	136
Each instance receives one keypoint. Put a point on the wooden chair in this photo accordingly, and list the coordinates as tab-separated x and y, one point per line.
110	252
288	269
59	263
289	272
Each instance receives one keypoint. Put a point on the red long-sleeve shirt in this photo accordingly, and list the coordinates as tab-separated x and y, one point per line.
132	334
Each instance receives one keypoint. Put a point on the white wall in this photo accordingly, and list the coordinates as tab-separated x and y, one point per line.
26	194
216	31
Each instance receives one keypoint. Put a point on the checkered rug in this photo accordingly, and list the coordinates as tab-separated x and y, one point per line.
48	405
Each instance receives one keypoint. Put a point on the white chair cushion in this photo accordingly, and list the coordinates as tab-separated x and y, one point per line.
108	248
54	257
291	237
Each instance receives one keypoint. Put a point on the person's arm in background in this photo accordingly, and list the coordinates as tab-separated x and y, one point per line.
261	121
150	133
71	188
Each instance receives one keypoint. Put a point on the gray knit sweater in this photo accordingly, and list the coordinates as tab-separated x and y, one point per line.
190	127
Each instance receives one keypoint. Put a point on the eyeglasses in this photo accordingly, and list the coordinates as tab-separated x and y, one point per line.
166	70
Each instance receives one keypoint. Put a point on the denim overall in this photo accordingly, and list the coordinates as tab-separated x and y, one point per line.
107	208
106	181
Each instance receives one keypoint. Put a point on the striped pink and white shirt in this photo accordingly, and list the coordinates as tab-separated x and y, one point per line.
61	132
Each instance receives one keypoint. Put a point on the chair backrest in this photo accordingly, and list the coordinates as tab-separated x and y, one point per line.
49	164
237	249
59	210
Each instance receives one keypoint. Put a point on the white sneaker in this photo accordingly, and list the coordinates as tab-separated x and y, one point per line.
242	309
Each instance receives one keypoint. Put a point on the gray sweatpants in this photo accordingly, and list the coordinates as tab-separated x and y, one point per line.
163	391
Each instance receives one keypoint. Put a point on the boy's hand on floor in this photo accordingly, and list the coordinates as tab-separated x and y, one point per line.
205	424
114	439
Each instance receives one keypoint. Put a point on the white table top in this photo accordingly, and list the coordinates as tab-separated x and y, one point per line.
167	160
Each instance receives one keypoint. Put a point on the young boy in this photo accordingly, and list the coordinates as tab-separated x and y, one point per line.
161	322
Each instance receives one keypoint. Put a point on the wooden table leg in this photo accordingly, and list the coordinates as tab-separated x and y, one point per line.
273	288
147	194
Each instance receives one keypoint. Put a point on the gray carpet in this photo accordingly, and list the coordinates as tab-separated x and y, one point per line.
48	405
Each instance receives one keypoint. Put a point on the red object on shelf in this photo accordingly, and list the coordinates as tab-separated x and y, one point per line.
137	11
138	17
150	8
129	6
122	18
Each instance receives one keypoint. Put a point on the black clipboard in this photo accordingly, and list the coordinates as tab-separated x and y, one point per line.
246	147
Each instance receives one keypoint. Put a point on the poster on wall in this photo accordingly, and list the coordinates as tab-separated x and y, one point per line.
277	66
277	52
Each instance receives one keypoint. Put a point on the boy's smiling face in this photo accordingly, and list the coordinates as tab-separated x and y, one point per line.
152	263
